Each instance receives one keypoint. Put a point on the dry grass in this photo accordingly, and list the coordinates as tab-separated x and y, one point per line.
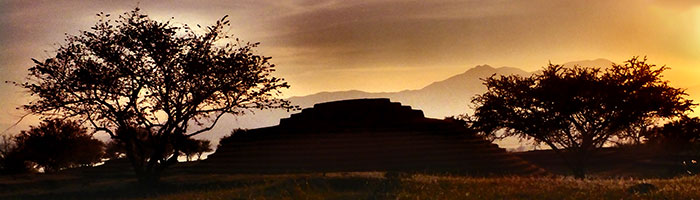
371	185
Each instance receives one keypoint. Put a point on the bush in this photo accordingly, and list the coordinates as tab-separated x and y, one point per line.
10	161
191	147
679	135
194	147
678	141
56	144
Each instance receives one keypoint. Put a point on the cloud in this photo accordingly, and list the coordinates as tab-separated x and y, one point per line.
325	37
432	33
676	4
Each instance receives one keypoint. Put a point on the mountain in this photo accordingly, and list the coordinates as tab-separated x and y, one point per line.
440	99
448	97
452	96
600	62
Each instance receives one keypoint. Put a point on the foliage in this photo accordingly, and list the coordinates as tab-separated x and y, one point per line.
114	150
677	135
191	147
636	134
576	110
232	135
10	160
143	80
141	146
56	144
6	145
194	147
680	141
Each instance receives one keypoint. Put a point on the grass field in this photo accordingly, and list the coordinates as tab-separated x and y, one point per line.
366	185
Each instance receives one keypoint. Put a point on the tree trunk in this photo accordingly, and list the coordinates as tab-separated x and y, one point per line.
580	163
147	176
575	160
147	155
579	172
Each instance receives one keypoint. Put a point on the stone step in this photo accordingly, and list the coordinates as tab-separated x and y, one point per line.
454	154
363	135
356	142
358	149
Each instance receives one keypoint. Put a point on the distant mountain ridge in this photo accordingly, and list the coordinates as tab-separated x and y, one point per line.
440	99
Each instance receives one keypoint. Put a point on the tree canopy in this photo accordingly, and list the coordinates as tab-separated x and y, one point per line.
191	147
56	144
576	110
194	147
11	162
137	77
678	135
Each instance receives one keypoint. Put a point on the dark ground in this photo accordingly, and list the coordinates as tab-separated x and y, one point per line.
634	162
613	171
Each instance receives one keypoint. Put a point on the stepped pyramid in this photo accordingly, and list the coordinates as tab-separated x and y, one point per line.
363	135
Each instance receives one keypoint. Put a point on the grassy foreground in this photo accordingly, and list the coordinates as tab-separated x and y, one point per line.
369	185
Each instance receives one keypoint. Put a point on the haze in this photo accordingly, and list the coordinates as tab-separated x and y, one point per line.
385	45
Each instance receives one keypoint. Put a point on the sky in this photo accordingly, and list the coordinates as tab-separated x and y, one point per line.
383	45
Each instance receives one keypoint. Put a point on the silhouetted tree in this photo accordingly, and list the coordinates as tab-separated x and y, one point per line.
7	146
231	136
677	135
56	144
576	110
679	142
141	147
194	147
136	77
10	160
636	134
190	147
114	150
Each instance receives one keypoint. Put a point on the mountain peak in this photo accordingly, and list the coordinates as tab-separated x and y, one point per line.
600	62
471	78
481	67
482	70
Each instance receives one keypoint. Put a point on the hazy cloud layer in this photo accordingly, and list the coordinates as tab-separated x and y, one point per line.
385	45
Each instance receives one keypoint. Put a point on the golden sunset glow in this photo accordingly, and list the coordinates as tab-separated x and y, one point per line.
350	99
387	45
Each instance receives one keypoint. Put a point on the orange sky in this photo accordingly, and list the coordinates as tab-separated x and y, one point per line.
387	45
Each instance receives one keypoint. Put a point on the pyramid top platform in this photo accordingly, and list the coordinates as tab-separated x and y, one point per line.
355	112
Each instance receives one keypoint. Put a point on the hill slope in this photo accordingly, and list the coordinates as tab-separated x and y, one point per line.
440	99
